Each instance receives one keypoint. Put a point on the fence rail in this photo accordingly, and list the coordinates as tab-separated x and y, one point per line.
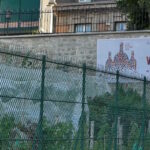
46	104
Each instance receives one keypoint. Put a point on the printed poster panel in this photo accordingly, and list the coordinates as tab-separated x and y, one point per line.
130	56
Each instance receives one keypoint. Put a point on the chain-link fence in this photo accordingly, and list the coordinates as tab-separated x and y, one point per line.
47	105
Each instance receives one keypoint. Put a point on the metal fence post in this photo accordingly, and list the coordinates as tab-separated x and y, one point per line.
19	15
144	112
42	103
83	107
116	111
5	28
81	122
31	21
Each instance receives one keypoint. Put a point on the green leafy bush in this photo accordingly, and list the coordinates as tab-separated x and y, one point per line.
103	111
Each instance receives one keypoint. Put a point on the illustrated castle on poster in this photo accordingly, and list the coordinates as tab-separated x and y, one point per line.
121	61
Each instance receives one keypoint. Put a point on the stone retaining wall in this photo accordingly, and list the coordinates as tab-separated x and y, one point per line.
75	48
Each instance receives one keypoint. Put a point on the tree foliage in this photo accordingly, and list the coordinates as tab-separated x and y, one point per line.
57	136
138	13
103	110
6	126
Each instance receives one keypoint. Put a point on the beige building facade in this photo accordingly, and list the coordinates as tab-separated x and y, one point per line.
46	16
76	17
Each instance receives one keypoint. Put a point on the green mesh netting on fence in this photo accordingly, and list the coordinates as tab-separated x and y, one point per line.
46	105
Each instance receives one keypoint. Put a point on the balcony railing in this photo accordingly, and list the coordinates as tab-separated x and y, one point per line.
25	22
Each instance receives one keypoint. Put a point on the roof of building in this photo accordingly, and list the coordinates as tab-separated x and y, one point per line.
77	1
96	4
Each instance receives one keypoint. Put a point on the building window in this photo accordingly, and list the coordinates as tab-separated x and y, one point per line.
120	26
83	28
83	1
